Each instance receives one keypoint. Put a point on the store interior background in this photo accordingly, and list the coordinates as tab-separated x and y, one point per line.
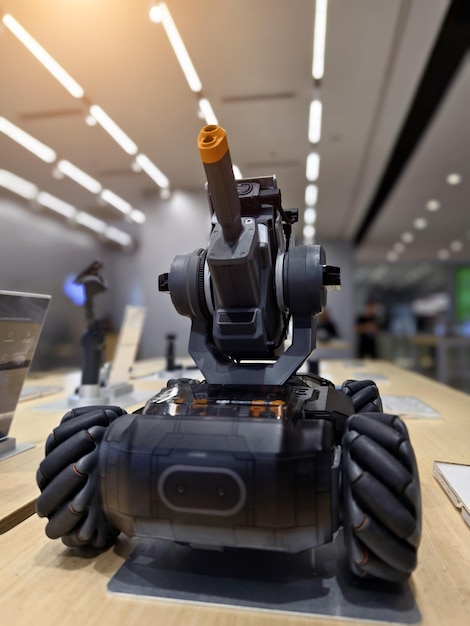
394	95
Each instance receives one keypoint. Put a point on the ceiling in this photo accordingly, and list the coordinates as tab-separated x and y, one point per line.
395	95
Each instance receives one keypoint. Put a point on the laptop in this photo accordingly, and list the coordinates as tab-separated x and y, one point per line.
22	317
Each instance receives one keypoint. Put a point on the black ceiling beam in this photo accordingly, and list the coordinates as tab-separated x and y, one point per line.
449	50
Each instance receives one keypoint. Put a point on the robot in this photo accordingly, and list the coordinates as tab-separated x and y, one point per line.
256	455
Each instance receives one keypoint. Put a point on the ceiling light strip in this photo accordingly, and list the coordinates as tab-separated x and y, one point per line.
79	176
312	167
29	191
152	171
28	142
110	126
311	195
56	204
319	39
119	236
116	201
160	13
96	112
207	112
91	222
43	57
65	167
314	123
18	185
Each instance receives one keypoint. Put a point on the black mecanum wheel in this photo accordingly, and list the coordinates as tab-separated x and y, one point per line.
381	497
364	395
67	478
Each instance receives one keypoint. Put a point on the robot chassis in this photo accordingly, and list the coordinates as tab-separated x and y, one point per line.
256	455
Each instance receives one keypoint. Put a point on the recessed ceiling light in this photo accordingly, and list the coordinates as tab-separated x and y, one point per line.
420	223
456	246
407	237
443	254
454	179
392	256
433	205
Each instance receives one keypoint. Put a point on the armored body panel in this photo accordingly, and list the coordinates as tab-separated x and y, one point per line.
211	465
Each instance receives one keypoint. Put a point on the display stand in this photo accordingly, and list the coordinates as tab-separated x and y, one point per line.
311	583
9	447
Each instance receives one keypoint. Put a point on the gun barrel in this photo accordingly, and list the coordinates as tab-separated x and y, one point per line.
215	156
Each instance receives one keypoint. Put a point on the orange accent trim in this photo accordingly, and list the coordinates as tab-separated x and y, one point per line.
212	143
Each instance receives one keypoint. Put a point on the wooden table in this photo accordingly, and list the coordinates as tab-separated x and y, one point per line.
45	583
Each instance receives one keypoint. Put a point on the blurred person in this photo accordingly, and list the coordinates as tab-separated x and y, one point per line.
326	328
368	325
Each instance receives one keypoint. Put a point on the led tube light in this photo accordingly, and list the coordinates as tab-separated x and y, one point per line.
313	166
319	39
91	222
113	130
310	216
56	204
43	57
309	232
119	236
314	124
116	201
152	170
311	195
79	176
160	13
138	216
18	185
28	142
207	111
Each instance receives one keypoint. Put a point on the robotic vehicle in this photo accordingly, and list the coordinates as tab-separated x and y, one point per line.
256	455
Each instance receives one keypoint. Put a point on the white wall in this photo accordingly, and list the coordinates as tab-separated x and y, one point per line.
175	226
37	253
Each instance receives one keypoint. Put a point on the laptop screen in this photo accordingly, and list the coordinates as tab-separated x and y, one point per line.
21	319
